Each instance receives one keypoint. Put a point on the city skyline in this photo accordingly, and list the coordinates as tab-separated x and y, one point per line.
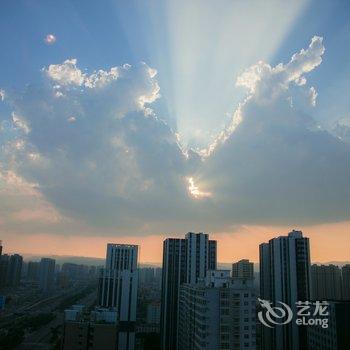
198	118
325	248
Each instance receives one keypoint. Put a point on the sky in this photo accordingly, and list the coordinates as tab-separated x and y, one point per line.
140	120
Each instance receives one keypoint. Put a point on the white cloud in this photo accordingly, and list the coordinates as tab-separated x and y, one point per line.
20	123
195	191
266	82
72	119
277	164
66	73
50	39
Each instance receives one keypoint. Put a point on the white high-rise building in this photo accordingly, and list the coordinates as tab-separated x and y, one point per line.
218	312
201	256
118	289
285	277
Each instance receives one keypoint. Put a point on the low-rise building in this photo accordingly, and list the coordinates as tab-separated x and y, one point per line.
96	330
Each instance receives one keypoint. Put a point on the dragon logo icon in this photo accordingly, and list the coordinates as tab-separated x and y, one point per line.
274	315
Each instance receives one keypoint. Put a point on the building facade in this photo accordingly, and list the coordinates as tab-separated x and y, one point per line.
336	336
243	269
326	282
345	272
184	261
14	270
217	313
118	289
47	274
33	270
97	330
285	277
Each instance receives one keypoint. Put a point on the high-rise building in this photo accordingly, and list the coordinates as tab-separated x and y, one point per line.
184	260
75	272
33	270
201	256
345	271
243	269
336	335
153	313
4	264
14	270
173	275
217	313
285	277
326	282
118	289
46	274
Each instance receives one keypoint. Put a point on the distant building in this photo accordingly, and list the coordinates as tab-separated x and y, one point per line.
33	270
285	277
158	276
14	270
118	289
46	274
243	269
75	272
98	330
184	261
146	275
2	302
4	264
345	271
10	269
336	336
326	282
153	313
217	313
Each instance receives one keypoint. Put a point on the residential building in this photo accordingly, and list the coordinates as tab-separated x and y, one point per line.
118	289
33	270
285	277
46	274
97	330
153	313
336	335
184	261
326	282
345	271
14	270
217	313
243	269
4	264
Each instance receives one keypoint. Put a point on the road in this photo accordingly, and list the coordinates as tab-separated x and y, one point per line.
37	305
40	339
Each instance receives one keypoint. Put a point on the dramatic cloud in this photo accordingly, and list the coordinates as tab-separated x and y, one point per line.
274	163
95	149
101	160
